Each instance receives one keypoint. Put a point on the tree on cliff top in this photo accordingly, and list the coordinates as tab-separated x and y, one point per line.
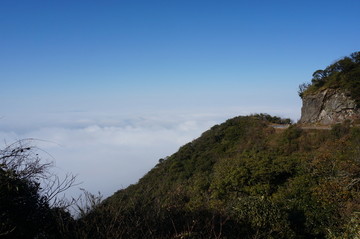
343	74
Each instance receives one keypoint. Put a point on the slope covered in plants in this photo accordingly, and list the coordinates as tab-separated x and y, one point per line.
242	179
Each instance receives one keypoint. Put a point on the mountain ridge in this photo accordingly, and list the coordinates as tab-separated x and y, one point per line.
243	178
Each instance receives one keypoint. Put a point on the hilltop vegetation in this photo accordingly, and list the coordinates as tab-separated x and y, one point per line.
243	179
344	74
240	179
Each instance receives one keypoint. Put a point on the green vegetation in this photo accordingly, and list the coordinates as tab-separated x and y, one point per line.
26	209
344	74
272	119
243	179
240	179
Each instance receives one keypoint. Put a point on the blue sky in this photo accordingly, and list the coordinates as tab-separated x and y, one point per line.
167	68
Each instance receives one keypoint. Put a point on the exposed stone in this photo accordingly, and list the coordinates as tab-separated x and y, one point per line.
329	106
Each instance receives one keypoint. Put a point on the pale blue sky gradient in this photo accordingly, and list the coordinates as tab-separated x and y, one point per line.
104	48
71	65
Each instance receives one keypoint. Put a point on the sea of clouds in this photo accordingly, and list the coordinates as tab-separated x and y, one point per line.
109	151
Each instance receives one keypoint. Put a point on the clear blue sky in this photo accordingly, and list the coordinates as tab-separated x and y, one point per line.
75	64
188	49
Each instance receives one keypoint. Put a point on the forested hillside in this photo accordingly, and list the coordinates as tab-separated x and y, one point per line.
243	179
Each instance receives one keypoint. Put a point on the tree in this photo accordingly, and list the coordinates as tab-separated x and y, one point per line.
29	193
302	88
343	74
355	57
319	77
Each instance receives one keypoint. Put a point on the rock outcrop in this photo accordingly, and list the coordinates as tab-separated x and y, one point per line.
327	107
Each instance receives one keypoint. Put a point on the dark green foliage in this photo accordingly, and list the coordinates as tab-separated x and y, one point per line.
24	211
343	74
339	130
272	119
262	218
240	179
243	179
303	88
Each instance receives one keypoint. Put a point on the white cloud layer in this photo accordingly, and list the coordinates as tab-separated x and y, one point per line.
108	151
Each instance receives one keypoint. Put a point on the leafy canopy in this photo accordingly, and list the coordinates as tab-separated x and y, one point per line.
343	74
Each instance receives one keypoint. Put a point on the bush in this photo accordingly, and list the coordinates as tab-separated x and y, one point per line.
29	209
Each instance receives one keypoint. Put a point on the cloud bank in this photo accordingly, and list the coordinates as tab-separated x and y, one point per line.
110	151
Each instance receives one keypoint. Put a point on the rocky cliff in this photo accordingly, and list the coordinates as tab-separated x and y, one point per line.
328	106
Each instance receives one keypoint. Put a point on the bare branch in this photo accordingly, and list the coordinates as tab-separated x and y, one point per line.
23	159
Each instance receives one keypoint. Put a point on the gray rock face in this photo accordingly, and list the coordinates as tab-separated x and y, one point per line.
329	106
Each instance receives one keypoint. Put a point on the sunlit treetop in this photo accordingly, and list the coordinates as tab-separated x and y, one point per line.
343	74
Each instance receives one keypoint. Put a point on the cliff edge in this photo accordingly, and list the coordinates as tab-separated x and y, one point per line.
329	106
333	95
